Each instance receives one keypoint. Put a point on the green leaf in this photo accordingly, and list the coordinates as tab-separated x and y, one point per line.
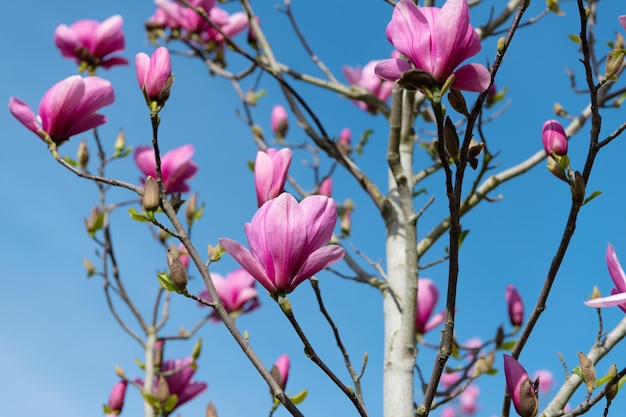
251	165
164	280
107	409
299	397
139	364
492	371
150	399
140	217
577	371
70	161
171	402
462	236
363	141
575	39
420	191
197	215
592	196
508	345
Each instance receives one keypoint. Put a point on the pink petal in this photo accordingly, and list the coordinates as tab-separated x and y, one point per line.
145	161
392	69
108	37
66	40
615	269
23	113
246	260
612	300
142	64
320	217
317	261
622	20
472	77
58	105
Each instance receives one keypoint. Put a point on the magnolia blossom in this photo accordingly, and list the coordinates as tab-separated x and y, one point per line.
546	380
176	166
366	77
521	389
278	121
236	292
469	400
280	370
449	378
287	242
435	40
427	297
229	24
116	399
181	17
154	75
343	142
515	305
270	173
68	108
554	138
448	411
178	374
326	187
618	295
90	42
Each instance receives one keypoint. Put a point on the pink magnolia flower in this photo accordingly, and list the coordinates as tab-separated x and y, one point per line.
176	166
230	24
180	17
546	380
68	108
270	173
287	242
116	399
366	77
427	297
154	75
449	378
554	138
178	374
448	411
435	40
515	305
622	20
281	370
90	42
345	137
326	187
236	291
279	122
618	295
522	390
469	400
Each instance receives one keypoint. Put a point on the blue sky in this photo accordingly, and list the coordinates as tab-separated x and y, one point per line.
59	342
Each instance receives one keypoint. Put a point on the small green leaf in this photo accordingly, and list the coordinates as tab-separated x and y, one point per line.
420	191
150	399
164	280
171	402
139	364
462	236
70	161
575	39
508	345
592	196
107	410
251	165
197	215
492	371
299	397
140	217
577	371
363	141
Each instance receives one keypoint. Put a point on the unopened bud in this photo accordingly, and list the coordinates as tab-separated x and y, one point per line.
120	372
83	154
279	121
91	270
190	209
94	222
197	348
595	293
578	189
158	353
559	110
499	337
346	223
257	131
457	101
211	411
178	273
588	371
614	61
151	199
529	399
473	151
343	143
483	364
120	142
501	44
163	390
451	139
612	385
554	138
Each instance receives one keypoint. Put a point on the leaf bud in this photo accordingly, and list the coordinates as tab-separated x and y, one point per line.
457	101
91	270
588	371
120	142
578	188
151	195
190	209
451	139
83	154
178	273
211	411
612	385
95	221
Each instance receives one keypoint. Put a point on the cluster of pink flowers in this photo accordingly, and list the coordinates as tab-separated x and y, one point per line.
367	78
236	292
176	166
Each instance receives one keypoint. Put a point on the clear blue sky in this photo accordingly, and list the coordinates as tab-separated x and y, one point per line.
59	342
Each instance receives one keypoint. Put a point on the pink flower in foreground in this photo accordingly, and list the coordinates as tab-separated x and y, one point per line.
154	75
554	138
280	370
515	305
90	42
622	20
279	122
116	399
176	166
521	389
270	173
546	380
178	374
435	40
236	291
68	108
366	77
287	242
618	295
427	297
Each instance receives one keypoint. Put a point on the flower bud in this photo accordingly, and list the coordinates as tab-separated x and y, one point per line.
91	270
457	101
522	390
120	142
151	195
279	121
280	371
554	138
116	399
588	371
326	187
178	274
163	390
343	143
615	59
190	209
612	385
473	151
451	139
83	154
154	75
157	353
578	188
515	306
211	411
95	220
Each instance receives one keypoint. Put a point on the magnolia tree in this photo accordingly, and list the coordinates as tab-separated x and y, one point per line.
438	100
